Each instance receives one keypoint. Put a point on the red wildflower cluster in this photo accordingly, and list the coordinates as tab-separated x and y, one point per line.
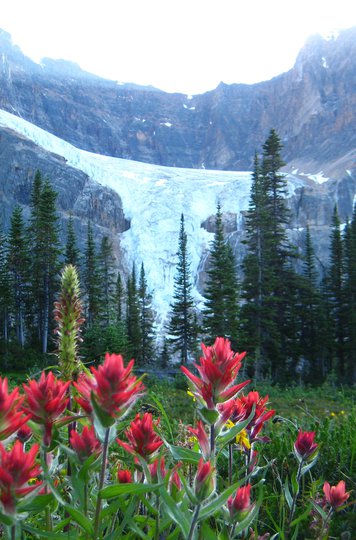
112	386
304	446
16	469
85	444
124	476
240	504
218	370
46	400
142	436
336	495
11	416
242	408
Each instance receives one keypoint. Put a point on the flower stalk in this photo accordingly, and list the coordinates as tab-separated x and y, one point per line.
101	483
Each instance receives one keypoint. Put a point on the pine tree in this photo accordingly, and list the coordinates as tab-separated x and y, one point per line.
146	354
71	251
119	299
270	285
133	327
4	289
182	325
350	298
49	245
91	280
18	264
107	280
220	316
336	295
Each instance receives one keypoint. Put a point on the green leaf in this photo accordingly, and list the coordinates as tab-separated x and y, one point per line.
217	503
104	419
207	533
71	535
308	466
287	494
209	416
37	504
175	512
164	414
246	522
6	520
123	489
319	510
184	454
80	518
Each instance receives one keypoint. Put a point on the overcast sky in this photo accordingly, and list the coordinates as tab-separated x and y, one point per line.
184	46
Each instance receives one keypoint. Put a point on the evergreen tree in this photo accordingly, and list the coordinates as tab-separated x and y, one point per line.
119	299
220	316
182	326
270	286
133	326
71	250
18	264
48	242
146	354
107	280
4	289
336	295
350	298
91	280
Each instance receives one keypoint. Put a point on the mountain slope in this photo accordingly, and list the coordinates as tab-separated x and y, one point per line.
139	205
312	107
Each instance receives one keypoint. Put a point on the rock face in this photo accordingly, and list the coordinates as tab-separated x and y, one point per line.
78	194
312	107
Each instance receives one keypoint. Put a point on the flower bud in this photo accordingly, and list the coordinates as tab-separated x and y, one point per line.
204	480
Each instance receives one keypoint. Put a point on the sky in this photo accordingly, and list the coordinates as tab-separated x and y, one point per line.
186	46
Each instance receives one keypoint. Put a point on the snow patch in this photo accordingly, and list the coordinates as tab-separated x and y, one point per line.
168	124
319	178
324	62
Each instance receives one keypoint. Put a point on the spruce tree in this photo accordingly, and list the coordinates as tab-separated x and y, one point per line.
18	265
71	250
336	295
107	280
133	326
119	299
220	316
91	280
182	326
4	289
350	298
146	354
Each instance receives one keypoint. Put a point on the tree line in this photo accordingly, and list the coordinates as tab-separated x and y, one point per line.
294	325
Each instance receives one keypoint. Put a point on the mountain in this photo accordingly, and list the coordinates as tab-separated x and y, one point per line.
312	107
77	128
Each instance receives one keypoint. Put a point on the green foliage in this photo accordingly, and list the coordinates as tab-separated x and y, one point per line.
220	315
182	326
98	340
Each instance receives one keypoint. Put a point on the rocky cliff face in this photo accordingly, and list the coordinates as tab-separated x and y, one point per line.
78	194
312	107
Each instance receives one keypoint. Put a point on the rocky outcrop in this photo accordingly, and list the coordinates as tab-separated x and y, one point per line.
312	107
78	194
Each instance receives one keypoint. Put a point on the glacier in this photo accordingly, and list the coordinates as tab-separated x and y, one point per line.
154	197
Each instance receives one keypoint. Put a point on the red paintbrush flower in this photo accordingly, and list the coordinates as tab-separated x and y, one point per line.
46	400
336	495
240	504
202	437
304	446
243	406
11	415
204	480
16	469
124	476
85	444
111	391
153	468
218	370
144	440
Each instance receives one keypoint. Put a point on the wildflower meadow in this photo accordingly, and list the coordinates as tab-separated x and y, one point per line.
81	459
